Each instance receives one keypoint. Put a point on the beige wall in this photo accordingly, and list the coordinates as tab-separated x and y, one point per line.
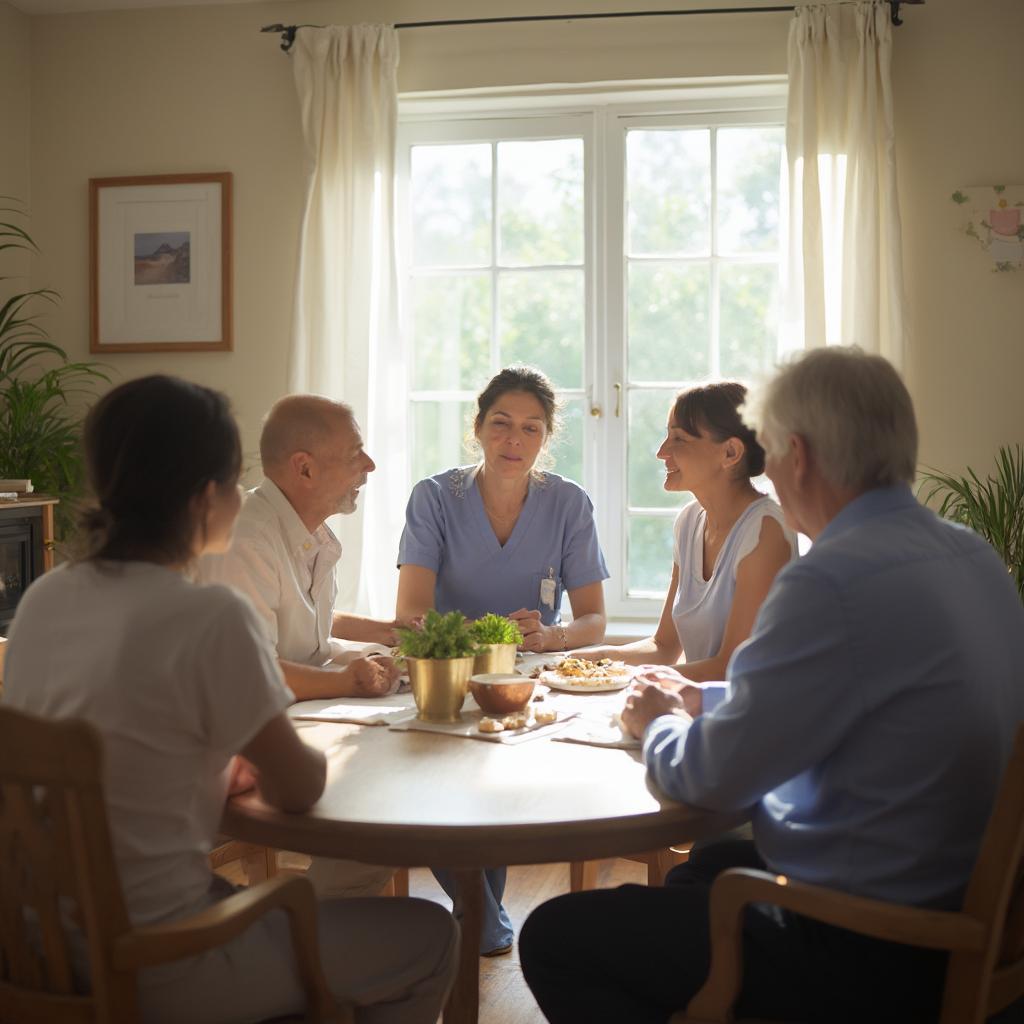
190	89
195	89
959	83
15	105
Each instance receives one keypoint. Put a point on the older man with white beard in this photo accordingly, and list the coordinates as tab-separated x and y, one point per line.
283	558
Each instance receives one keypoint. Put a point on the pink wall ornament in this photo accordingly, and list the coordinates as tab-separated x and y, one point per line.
994	220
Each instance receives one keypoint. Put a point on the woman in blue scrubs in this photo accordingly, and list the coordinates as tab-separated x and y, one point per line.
505	537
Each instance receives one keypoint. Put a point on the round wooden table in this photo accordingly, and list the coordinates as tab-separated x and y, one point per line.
410	799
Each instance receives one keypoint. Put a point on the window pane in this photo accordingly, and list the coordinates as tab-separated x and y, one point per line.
669	327
540	202
749	169
451	202
541	322
650	555
648	414
748	340
668	176
439	430
567	445
451	332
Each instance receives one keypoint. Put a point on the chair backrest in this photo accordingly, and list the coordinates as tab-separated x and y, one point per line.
982	983
57	874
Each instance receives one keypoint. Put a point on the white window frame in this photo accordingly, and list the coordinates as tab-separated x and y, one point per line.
600	114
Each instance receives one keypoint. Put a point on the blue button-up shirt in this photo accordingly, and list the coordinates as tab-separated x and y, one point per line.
869	717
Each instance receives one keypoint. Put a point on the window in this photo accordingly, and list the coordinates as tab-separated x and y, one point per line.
627	250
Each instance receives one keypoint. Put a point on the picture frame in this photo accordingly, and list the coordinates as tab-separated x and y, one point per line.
160	267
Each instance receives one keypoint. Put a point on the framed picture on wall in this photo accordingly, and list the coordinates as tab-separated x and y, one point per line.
160	263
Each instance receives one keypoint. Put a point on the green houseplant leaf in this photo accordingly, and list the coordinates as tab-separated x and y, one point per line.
440	636
495	629
993	507
40	426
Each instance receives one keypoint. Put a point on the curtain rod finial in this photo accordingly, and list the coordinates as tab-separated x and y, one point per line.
287	34
894	6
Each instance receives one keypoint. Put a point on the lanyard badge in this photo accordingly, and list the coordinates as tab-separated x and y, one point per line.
547	589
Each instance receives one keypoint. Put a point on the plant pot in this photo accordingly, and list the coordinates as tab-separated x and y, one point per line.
439	687
495	658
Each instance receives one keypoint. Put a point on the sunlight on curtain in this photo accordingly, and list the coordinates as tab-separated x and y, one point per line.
345	336
842	273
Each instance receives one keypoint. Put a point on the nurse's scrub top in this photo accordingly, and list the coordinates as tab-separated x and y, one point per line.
555	538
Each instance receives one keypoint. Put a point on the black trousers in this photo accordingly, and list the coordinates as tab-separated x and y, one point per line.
637	954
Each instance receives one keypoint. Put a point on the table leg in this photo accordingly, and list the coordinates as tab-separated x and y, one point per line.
463	1005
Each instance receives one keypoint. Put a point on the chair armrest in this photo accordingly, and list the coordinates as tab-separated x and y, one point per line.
228	918
891	922
734	889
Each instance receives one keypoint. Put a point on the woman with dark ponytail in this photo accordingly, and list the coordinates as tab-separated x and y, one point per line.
178	678
730	541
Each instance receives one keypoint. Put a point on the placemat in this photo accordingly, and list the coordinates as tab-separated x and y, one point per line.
466	727
599	732
356	710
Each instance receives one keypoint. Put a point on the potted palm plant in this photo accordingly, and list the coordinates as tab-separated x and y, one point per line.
39	424
497	638
993	507
440	656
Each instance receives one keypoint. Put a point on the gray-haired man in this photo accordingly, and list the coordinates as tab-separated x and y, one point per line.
866	724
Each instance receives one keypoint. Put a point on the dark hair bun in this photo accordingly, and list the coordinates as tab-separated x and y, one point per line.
714	409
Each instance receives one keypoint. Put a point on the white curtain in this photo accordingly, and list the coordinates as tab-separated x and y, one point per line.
843	271
345	334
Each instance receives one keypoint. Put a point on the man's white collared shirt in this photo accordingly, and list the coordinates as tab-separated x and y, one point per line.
286	571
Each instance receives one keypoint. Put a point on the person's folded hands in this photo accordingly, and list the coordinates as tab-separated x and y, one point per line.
646	702
376	676
533	630
669	679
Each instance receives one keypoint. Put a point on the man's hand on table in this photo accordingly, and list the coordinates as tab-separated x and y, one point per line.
670	680
375	676
658	691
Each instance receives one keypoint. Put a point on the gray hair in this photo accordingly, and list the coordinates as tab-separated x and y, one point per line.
299	423
851	408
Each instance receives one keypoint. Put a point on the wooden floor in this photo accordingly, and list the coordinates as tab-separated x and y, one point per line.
504	996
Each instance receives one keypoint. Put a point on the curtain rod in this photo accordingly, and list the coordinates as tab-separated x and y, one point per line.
288	31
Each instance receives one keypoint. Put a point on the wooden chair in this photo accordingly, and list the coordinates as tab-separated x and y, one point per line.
56	850
583	873
985	938
258	862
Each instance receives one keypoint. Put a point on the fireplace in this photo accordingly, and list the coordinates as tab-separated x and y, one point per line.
25	530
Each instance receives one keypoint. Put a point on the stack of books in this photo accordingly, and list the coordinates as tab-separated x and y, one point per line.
12	490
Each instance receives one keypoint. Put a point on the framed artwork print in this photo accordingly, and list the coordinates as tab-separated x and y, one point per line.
160	263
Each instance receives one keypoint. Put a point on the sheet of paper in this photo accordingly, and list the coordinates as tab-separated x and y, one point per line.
382	711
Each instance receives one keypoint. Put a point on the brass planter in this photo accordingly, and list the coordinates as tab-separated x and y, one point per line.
439	686
499	658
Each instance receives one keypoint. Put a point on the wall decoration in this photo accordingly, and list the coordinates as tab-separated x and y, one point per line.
995	219
160	263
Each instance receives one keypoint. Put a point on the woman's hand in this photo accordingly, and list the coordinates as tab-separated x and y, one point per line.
242	776
536	636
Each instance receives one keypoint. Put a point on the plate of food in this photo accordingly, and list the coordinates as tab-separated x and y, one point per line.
577	675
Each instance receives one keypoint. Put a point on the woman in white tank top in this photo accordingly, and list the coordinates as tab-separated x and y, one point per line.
730	540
